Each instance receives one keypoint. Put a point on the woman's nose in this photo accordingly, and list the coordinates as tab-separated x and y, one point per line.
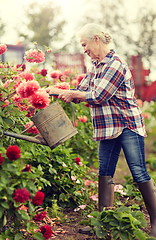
84	50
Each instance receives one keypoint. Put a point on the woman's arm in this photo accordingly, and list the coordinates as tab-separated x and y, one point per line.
68	95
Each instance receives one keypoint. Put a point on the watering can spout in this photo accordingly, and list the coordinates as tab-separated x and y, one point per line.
38	139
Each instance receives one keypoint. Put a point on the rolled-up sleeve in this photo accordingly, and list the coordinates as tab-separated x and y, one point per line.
106	83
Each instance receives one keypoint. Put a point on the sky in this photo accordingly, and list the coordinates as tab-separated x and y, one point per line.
12	12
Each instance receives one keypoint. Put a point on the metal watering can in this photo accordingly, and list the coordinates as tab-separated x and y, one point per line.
53	125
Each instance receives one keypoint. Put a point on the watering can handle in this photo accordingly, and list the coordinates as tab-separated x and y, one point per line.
54	94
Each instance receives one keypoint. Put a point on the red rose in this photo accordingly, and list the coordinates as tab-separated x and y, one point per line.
43	72
80	77
38	198
3	48
40	216
27	168
1	159
21	195
46	231
77	160
0	96
22	66
87	105
13	152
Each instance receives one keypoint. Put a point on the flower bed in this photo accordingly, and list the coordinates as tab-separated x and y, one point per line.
36	182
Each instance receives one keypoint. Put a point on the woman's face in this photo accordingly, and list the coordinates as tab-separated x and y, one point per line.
90	47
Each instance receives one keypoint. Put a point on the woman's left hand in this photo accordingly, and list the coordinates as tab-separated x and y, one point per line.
52	90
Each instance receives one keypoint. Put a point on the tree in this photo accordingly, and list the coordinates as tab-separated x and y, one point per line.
45	24
2	26
146	42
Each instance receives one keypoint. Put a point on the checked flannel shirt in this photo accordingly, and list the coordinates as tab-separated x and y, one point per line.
110	91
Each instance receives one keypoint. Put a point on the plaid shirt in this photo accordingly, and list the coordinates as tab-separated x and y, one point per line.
110	94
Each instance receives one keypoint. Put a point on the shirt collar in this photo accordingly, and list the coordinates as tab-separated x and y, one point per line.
105	60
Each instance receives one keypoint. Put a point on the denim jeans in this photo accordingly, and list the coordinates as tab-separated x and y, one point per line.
134	149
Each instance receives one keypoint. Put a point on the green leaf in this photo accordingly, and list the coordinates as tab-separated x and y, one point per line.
38	236
1	212
30	226
95	214
114	223
5	205
1	120
96	164
32	186
124	235
10	190
24	215
18	236
140	217
95	222
100	233
7	120
115	234
11	168
123	209
4	220
4	179
52	170
129	190
7	232
31	207
84	222
27	155
139	234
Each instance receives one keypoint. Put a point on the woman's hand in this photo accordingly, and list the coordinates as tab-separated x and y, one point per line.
66	96
52	90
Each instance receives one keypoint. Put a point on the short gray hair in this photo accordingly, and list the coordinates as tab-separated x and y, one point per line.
90	30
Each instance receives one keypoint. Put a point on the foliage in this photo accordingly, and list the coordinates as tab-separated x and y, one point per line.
147	33
54	172
45	23
2	28
131	188
149	112
82	142
58	167
121	223
13	178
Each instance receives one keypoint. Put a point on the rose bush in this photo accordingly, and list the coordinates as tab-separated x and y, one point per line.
26	167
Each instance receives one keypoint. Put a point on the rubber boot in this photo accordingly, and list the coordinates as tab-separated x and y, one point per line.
148	191
106	192
105	198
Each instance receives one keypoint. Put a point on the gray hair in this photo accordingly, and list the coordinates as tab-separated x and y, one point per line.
90	30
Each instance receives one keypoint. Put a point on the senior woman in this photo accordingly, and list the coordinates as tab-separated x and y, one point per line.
118	123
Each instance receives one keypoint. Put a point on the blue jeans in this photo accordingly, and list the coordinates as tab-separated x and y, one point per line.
134	149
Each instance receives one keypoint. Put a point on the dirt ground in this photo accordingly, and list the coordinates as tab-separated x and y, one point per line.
69	230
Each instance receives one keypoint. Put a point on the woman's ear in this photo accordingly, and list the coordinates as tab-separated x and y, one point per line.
96	39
